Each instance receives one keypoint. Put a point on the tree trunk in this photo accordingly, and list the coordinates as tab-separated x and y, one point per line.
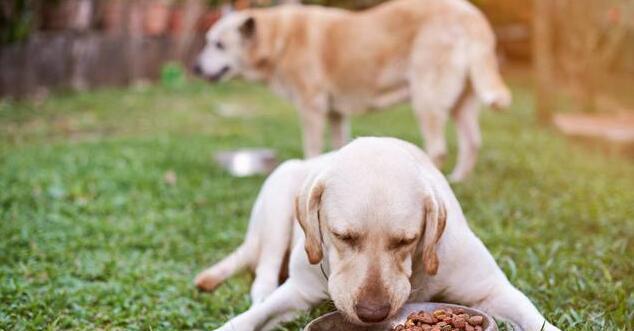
134	12
543	58
192	11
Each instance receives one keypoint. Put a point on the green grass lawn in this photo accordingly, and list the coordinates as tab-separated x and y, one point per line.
93	237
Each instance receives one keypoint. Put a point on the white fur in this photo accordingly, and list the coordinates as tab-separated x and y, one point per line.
373	187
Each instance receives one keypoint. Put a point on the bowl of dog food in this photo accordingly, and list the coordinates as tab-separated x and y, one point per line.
426	316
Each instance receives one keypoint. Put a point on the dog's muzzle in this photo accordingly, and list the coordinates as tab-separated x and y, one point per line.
198	71
218	75
371	311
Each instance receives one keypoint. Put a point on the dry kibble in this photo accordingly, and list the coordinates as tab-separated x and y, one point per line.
416	318
459	322
427	318
439	312
476	320
441	320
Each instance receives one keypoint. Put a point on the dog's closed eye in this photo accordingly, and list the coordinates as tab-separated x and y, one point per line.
348	238
397	243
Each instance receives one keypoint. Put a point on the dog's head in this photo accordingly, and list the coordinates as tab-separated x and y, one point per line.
231	49
371	218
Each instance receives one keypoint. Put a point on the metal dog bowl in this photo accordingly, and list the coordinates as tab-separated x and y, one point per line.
247	162
335	321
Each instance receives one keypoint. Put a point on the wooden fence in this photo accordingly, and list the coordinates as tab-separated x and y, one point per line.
64	60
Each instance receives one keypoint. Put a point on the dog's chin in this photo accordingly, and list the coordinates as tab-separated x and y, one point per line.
352	318
220	76
356	321
350	315
347	312
213	79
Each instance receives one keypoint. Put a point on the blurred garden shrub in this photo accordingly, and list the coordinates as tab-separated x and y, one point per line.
17	19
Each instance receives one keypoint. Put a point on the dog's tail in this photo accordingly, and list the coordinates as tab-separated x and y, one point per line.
485	74
241	258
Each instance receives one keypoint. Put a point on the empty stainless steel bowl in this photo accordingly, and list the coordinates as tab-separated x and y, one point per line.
247	162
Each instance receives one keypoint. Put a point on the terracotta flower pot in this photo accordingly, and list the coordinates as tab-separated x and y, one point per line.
175	25
156	18
112	16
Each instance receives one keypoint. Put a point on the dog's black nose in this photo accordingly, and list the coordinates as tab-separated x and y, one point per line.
372	311
197	70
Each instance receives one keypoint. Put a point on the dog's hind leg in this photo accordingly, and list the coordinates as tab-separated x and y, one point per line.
268	236
339	129
469	139
243	256
436	87
275	221
437	76
312	114
432	124
273	251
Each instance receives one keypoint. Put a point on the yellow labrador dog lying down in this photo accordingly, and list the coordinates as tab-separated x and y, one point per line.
380	226
331	63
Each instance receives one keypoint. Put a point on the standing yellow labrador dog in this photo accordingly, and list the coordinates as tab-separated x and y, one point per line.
332	63
379	226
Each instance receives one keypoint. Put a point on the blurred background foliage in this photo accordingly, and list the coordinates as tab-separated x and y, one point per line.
16	20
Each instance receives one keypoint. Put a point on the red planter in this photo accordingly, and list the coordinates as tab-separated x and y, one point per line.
156	18
175	25
112	16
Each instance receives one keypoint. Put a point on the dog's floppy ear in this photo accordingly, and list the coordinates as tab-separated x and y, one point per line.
435	218
307	205
247	29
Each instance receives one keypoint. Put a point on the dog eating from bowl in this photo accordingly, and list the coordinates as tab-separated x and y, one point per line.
371	226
